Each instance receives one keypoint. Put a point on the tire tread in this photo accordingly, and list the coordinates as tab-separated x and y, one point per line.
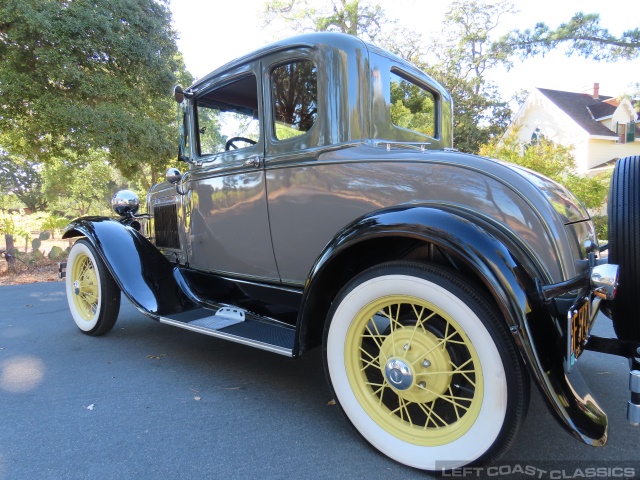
624	245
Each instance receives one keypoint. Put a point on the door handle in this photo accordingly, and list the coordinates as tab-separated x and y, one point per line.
252	162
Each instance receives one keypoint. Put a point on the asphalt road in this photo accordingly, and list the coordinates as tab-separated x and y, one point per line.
149	401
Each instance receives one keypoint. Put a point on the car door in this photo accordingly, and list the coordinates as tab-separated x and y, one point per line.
228	227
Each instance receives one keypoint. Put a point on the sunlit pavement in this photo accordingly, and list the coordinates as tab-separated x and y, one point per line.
151	401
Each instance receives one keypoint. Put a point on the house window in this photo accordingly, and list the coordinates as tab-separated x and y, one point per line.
537	136
621	130
294	88
631	132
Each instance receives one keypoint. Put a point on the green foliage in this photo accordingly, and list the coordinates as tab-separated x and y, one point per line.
56	253
458	58
412	107
22	178
21	224
87	76
8	225
36	243
359	18
80	186
601	223
462	57
50	224
552	160
582	33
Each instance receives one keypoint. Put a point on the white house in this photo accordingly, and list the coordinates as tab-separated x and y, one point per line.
601	129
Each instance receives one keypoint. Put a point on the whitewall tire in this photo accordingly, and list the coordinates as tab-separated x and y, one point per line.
92	294
423	367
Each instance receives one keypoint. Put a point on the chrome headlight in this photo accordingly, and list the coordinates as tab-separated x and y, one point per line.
125	203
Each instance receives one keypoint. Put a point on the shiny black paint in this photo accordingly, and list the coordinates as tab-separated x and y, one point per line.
501	273
272	301
159	288
143	274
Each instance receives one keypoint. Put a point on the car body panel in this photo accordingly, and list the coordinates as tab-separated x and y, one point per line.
143	274
505	279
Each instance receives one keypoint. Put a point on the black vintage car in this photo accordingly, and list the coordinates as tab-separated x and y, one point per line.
323	206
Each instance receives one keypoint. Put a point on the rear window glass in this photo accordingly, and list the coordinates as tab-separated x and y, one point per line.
412	106
294	89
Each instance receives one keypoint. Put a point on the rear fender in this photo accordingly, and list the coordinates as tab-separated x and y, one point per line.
501	273
143	274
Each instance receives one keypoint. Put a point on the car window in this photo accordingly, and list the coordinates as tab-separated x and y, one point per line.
412	106
294	88
226	113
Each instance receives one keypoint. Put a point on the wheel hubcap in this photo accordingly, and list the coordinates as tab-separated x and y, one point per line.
398	374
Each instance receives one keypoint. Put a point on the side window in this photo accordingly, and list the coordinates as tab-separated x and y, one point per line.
412	107
227	117
294	89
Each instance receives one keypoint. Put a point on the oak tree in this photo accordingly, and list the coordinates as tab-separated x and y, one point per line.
89	76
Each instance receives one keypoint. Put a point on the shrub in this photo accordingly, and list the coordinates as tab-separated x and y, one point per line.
601	223
56	253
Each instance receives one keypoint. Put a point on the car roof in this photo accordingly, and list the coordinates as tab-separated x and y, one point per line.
309	40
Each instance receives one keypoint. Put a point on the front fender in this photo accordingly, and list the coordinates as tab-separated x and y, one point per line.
500	269
143	274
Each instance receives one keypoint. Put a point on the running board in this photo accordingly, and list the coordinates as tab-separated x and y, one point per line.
238	326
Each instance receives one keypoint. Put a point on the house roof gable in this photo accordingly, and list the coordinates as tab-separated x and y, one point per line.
583	109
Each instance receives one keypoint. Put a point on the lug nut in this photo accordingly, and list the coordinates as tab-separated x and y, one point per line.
426	363
422	385
407	347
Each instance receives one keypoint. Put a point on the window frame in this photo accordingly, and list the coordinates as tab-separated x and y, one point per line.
437	105
622	136
273	139
242	73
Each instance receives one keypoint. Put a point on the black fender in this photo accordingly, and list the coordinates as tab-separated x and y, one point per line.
483	249
143	274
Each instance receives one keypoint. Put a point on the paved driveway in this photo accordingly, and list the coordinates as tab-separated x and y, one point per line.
152	401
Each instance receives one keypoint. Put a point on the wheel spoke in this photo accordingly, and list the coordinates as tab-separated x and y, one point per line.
381	390
370	363
376	337
464	372
419	322
83	268
404	404
431	414
455	405
442	343
449	398
389	316
368	354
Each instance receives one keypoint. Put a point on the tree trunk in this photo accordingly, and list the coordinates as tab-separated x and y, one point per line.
10	252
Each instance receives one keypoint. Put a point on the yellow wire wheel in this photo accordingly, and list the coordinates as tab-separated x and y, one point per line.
85	287
423	367
92	294
414	370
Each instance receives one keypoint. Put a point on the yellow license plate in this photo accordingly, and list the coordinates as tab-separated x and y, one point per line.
578	327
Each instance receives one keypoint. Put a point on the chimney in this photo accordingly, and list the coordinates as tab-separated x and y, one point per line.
596	91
